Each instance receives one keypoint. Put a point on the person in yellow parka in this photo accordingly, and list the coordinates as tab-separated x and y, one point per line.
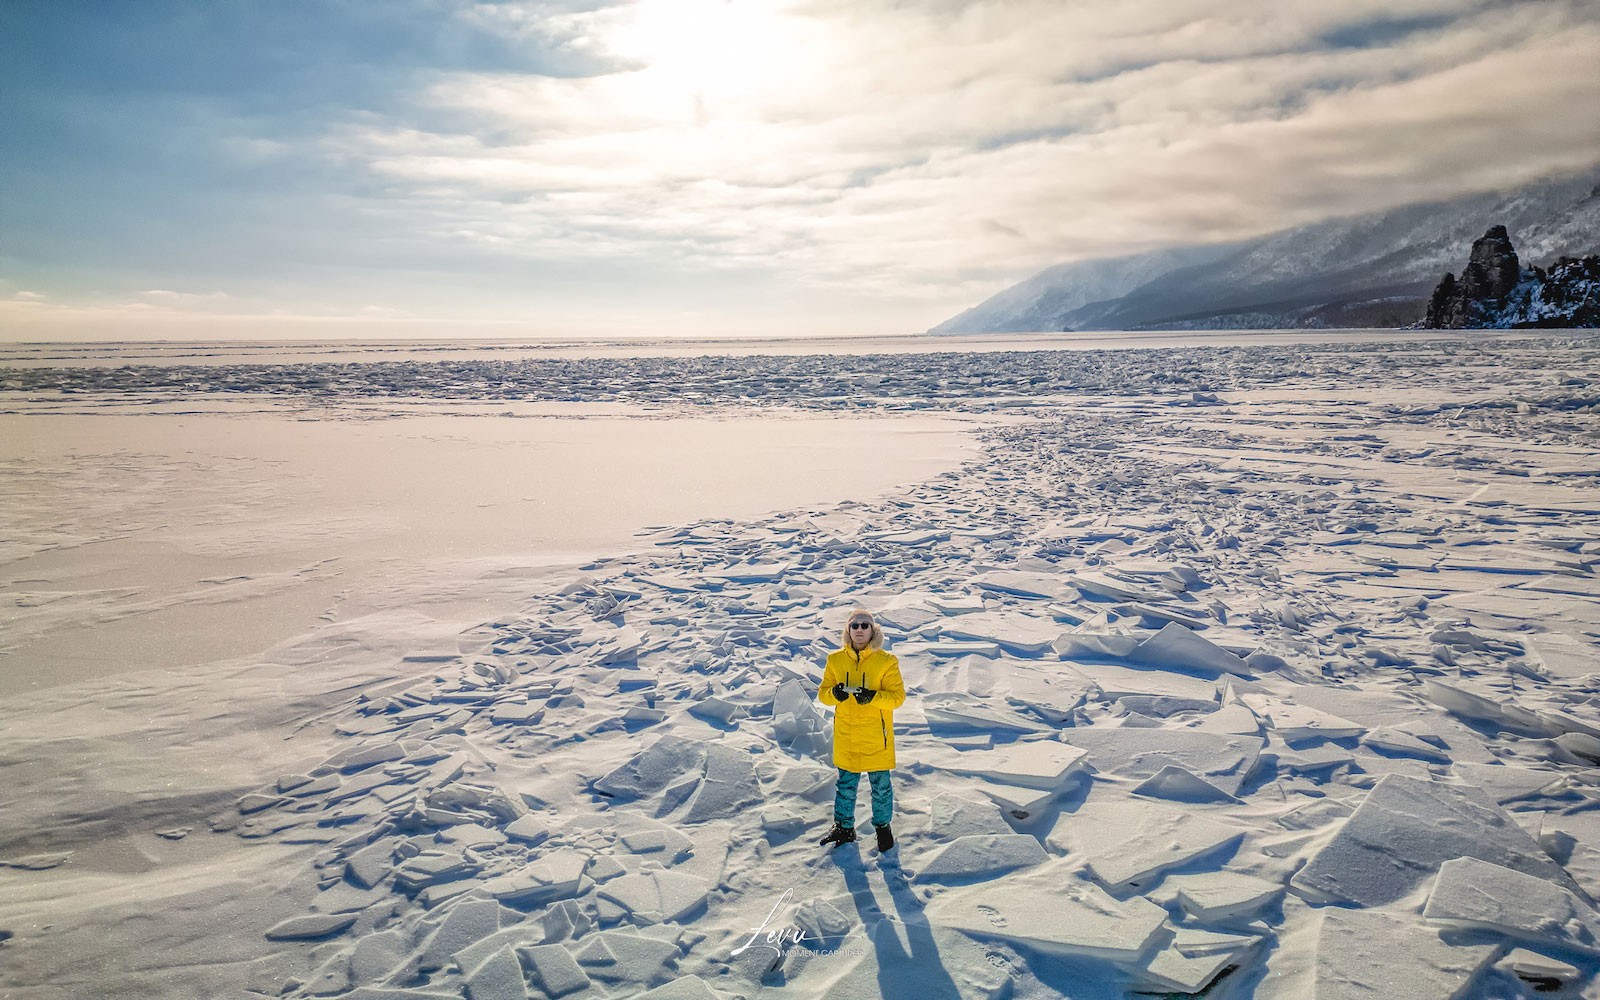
862	682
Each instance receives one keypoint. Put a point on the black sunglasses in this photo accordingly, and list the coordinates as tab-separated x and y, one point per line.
860	624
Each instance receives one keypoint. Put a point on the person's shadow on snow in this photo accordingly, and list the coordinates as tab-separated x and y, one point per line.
912	969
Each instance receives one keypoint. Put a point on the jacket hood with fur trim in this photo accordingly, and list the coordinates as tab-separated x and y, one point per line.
876	642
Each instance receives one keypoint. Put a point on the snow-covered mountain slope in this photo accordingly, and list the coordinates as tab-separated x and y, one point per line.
1039	302
1368	270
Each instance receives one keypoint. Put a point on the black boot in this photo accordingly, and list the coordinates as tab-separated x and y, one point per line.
885	839
840	834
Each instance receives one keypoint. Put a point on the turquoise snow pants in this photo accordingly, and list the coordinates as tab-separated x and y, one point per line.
844	797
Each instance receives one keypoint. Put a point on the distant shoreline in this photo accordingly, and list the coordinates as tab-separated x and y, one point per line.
97	353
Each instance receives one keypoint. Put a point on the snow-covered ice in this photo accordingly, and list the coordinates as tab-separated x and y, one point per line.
1366	953
1049	909
1404	829
1126	843
1233	672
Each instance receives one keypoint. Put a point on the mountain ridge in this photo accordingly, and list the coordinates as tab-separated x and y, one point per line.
1374	269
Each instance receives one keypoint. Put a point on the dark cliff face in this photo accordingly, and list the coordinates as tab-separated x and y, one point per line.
1447	306
1493	270
1494	292
1471	302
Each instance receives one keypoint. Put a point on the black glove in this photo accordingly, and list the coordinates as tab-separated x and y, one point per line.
839	693
865	695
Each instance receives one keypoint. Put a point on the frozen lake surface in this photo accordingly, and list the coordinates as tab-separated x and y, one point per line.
164	537
1258	671
169	353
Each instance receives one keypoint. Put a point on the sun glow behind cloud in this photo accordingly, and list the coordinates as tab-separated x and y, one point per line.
706	52
773	166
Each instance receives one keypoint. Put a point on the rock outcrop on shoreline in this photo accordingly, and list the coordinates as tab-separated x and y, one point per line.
1496	292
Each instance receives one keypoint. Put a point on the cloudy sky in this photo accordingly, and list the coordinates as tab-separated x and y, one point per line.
316	168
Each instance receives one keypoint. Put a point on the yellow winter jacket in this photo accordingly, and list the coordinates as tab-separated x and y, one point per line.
863	735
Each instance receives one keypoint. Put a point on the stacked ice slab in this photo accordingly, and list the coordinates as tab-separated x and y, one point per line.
1021	777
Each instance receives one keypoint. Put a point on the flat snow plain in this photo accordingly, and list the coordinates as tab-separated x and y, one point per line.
163	535
1261	671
